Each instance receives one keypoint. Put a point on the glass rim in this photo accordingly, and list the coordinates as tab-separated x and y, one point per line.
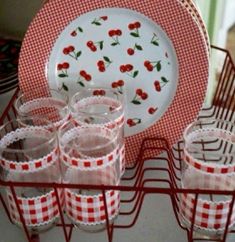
17	103
114	130
208	121
72	101
188	144
18	121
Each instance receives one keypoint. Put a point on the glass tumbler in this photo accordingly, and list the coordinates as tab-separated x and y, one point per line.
105	102
29	153
46	103
208	163
90	155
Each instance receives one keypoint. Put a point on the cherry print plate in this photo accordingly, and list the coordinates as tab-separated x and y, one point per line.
153	52
120	49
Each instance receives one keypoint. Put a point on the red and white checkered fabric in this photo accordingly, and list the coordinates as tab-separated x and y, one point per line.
30	165
81	161
36	211
173	18
90	210
208	167
211	212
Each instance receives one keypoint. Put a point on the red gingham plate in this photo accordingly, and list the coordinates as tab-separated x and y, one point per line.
194	11
180	49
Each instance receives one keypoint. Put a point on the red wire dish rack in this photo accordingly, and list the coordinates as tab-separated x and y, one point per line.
221	108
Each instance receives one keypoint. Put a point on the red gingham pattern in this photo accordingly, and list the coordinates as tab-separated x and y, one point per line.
30	165
209	214
177	23
209	167
194	11
36	211
87	162
90	210
122	159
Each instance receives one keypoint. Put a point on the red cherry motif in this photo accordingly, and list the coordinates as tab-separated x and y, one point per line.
102	68
71	48
123	68
59	67
96	92
63	68
114	84
150	65
139	95
157	86
93	46
66	51
133	122
144	96
134	27
65	65
103	64
88	77
111	33
100	63
131	26
98	21
130	122
83	76
137	25
139	92
152	110
118	32
114	34
129	67
74	33
126	68
118	84
99	92
82	73
147	63
104	18
130	51
89	43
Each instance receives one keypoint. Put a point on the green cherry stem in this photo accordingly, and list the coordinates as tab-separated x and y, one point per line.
65	73
73	56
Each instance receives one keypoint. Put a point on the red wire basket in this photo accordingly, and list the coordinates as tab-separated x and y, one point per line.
170	166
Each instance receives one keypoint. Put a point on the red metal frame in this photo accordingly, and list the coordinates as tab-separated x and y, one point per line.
168	186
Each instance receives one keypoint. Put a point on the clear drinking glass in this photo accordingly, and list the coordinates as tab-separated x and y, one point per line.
90	155
208	163
105	102
29	153
46	103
